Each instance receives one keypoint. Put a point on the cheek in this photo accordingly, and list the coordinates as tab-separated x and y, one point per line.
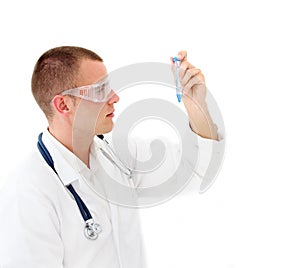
101	114
101	111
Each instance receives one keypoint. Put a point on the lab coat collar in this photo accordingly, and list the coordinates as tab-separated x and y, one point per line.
68	166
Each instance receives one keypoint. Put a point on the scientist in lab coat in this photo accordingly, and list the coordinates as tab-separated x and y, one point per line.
40	222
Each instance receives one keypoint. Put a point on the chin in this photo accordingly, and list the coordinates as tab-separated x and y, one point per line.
104	129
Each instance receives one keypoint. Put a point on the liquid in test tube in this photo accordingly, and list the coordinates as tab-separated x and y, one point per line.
177	63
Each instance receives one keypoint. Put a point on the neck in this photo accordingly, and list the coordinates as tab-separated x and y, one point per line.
75	141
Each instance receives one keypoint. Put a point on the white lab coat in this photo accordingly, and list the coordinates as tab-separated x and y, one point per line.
41	225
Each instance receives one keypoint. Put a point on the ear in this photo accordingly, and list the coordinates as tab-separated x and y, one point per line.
61	104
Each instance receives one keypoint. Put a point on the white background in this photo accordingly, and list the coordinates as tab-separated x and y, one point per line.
249	53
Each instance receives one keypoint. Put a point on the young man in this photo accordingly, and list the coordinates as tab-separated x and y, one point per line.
43	222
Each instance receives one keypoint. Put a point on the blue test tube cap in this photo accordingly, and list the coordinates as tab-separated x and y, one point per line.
179	96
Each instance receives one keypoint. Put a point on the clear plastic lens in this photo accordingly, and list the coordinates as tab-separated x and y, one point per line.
102	90
98	92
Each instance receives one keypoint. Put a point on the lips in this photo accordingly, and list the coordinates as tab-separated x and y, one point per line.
110	114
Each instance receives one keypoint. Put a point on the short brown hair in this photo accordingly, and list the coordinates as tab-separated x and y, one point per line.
55	71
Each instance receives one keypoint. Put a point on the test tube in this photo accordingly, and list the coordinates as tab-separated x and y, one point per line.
177	63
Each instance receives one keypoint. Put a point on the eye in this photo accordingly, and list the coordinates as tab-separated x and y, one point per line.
102	87
98	89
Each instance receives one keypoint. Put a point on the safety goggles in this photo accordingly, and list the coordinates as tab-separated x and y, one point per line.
98	92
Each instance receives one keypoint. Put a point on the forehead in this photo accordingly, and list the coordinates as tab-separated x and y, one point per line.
91	71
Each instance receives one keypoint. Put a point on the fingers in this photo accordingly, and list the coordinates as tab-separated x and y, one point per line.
184	67
193	81
187	74
172	61
188	71
182	55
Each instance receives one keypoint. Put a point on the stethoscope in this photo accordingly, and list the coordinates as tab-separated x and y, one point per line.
91	229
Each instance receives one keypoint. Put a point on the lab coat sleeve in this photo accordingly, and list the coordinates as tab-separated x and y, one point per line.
29	228
200	168
209	160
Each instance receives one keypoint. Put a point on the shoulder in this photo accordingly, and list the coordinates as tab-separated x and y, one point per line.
33	175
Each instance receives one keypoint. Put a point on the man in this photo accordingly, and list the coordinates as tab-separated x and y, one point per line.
41	224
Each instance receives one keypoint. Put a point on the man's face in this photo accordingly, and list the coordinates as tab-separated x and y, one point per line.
89	115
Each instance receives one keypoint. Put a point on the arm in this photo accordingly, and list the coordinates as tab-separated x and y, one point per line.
210	140
29	230
194	94
202	161
193	169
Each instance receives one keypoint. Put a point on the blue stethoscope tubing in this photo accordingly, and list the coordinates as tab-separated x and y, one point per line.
91	229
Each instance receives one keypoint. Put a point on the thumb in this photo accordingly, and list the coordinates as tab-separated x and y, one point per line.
182	55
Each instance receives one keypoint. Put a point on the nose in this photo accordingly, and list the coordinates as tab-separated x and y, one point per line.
114	98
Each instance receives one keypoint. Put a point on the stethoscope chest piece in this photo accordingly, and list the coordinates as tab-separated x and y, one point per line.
92	230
